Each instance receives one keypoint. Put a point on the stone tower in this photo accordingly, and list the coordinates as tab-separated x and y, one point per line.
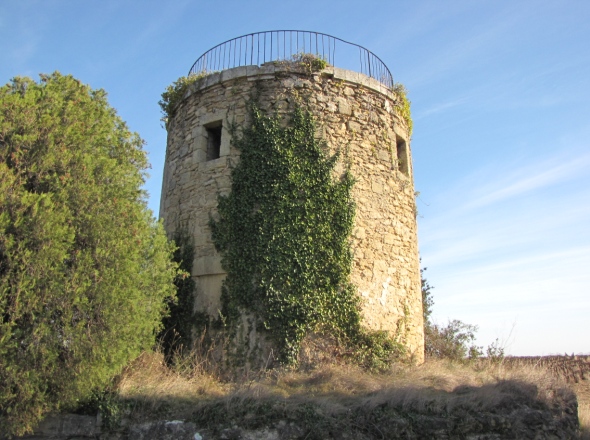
355	108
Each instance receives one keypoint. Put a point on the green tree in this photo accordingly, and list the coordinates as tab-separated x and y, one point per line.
427	300
453	341
85	270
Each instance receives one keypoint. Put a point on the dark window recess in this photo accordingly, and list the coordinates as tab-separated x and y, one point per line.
402	155
213	142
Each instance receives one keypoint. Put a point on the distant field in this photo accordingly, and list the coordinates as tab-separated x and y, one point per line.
573	369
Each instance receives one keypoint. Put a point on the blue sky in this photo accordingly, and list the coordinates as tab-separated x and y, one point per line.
500	95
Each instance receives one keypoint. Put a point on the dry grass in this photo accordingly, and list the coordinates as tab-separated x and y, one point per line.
188	391
575	370
150	376
582	390
585	422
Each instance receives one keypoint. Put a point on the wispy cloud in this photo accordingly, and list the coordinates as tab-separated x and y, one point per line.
160	24
460	235
513	245
531	178
437	108
533	293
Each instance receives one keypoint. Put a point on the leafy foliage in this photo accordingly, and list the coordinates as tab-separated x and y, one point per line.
283	232
495	352
183	323
176	334
453	341
375	350
403	105
174	93
106	402
84	267
309	61
427	300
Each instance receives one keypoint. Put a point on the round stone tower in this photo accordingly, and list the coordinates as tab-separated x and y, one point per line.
357	110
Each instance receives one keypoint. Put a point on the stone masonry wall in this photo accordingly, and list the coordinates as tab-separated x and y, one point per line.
355	115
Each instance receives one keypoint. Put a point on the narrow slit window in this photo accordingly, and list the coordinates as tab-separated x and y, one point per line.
402	155
213	141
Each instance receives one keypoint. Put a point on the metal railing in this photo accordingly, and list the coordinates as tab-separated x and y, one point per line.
263	47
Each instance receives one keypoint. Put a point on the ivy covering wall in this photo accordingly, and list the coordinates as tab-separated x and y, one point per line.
284	235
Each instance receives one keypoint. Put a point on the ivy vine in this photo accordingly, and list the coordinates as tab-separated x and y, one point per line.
284	235
183	323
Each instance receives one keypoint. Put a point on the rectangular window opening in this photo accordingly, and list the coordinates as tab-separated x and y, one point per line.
213	140
402	155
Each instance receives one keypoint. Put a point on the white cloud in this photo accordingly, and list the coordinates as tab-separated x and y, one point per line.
528	184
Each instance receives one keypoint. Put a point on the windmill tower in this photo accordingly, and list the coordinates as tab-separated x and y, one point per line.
355	104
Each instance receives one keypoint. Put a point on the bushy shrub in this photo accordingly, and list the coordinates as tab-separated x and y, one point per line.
183	324
84	267
310	62
454	341
403	105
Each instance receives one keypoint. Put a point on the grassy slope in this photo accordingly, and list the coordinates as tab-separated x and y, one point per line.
192	392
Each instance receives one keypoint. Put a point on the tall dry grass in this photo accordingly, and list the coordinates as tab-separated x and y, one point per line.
584	416
582	390
154	389
574	370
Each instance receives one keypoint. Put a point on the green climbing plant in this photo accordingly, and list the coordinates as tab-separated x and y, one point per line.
175	92
284	235
183	323
403	105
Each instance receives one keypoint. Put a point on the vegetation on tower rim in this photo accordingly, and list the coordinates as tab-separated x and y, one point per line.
175	92
403	106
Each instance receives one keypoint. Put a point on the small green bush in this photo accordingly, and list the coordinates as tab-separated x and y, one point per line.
454	341
309	61
179	326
